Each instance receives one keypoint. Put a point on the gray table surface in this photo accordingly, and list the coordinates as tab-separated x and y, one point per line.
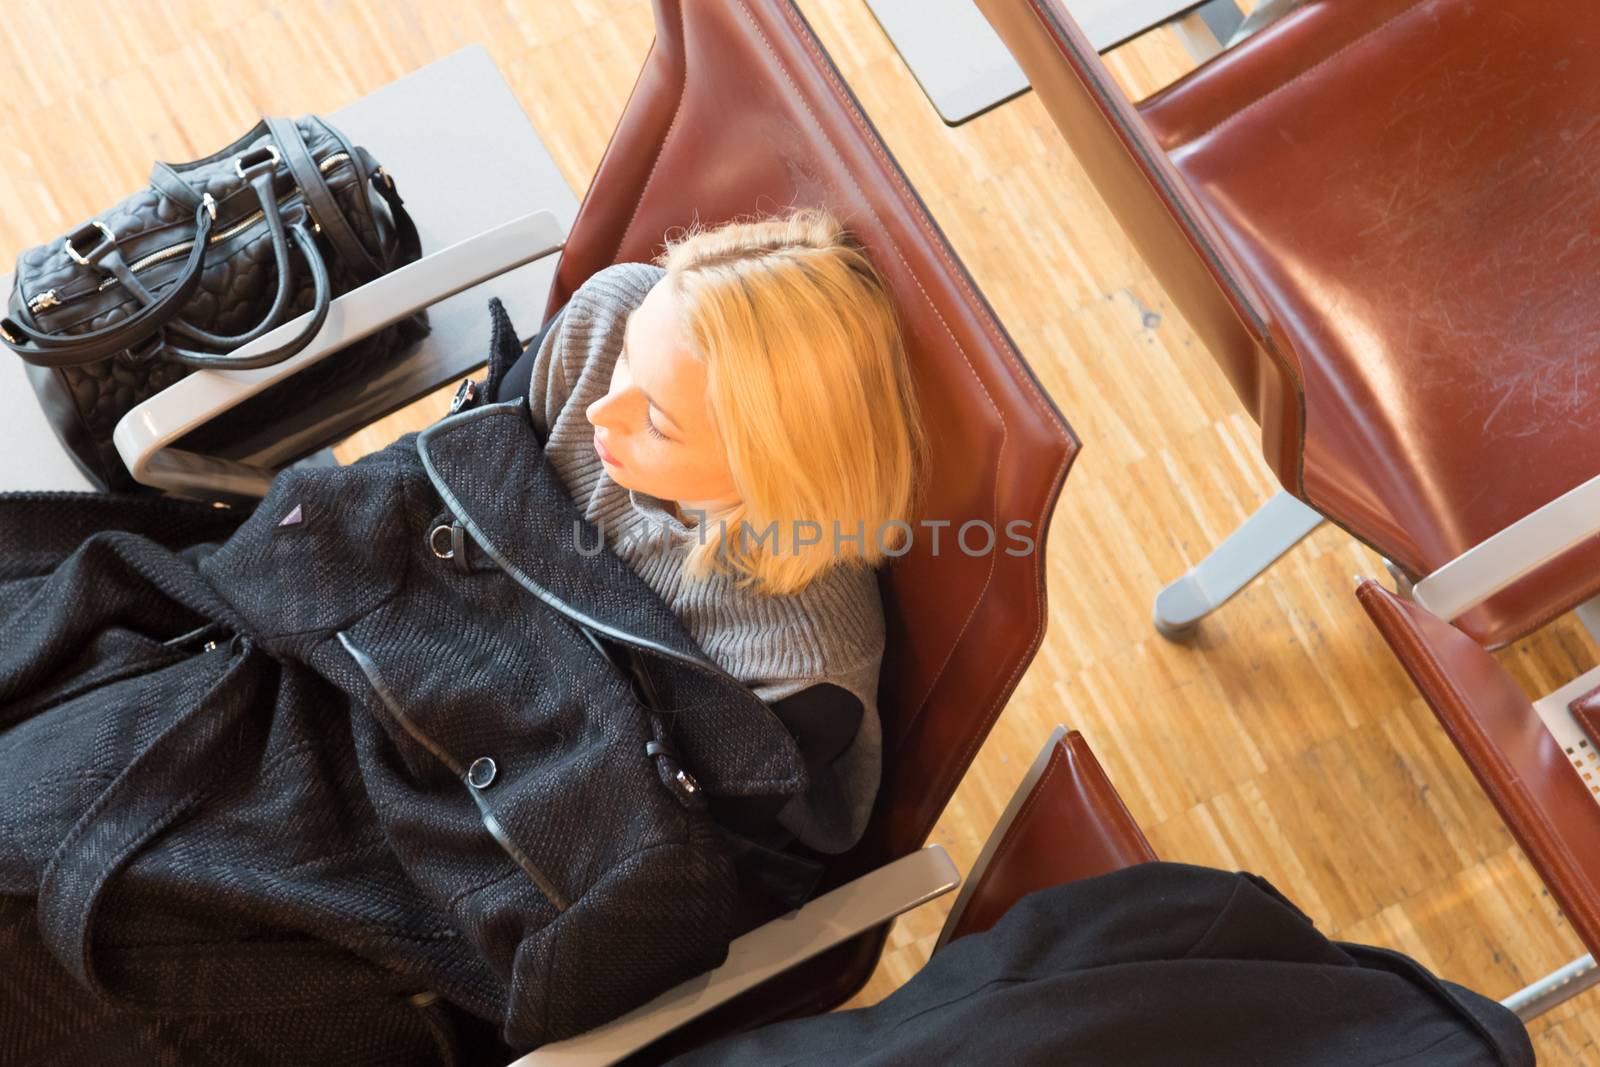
964	67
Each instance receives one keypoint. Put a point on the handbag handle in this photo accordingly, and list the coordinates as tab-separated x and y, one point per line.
320	200
259	173
51	350
161	314
321	301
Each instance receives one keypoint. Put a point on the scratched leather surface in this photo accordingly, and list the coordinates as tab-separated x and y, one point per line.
1411	186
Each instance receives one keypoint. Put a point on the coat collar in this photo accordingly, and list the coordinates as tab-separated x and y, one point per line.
488	466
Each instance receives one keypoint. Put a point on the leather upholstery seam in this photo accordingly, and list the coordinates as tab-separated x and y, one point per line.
1304	74
879	151
661	149
1248	306
1589	589
1208	249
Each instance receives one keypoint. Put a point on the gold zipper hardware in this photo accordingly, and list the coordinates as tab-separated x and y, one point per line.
46	299
161	255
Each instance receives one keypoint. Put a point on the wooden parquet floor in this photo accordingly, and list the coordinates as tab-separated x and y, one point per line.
1285	740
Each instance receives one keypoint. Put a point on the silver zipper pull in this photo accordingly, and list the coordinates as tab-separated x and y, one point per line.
46	299
466	393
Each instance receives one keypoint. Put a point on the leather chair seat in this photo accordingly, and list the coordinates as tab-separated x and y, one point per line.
1414	189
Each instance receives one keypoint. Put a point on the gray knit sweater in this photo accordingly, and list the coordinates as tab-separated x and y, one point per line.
831	631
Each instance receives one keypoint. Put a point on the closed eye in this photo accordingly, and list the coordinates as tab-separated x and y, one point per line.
649	423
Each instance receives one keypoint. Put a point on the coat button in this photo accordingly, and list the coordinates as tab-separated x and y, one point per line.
481	773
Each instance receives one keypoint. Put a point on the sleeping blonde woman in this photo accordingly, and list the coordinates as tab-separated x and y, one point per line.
738	420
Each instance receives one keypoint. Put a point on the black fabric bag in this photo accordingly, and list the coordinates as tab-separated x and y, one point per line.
211	255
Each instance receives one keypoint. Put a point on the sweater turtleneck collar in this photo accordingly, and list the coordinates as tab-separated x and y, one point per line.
657	516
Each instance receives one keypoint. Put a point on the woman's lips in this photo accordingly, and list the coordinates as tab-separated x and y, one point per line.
605	457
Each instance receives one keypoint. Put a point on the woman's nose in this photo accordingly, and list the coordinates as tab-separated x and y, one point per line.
613	411
602	412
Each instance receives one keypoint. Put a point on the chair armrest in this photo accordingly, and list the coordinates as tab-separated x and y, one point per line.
1065	822
143	434
829	920
1492	564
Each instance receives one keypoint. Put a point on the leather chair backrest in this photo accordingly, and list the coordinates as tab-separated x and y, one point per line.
1070	825
1161	216
1545	803
738	109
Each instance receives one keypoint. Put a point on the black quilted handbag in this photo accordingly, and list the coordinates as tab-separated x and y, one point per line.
208	257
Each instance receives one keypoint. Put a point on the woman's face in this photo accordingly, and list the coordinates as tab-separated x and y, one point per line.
653	429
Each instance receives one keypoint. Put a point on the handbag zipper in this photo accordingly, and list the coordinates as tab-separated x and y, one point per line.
245	223
48	298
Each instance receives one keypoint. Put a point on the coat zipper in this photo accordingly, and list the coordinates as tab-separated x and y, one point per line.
49	299
490	821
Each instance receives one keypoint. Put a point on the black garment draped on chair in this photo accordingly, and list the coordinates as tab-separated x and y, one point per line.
1160	963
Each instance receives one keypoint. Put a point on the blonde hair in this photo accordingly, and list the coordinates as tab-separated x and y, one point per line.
809	386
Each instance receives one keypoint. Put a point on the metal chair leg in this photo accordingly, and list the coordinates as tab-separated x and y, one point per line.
1403	586
1277	526
1265	13
1554	988
1589	614
1204	30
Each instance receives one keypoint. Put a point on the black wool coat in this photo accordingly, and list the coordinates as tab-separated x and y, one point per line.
274	787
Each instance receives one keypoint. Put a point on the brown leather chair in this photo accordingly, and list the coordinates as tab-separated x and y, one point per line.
737	109
1379	215
1536	760
1519	763
1065	823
